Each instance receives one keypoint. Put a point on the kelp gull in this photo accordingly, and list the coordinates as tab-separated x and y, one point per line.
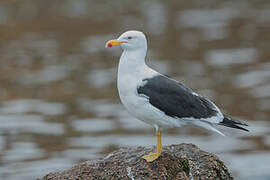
157	99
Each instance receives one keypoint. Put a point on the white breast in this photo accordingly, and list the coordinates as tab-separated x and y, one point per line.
132	70
127	84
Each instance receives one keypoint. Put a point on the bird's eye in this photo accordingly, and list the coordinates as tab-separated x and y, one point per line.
129	37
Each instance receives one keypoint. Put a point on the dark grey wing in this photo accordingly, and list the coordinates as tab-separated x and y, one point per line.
233	123
175	99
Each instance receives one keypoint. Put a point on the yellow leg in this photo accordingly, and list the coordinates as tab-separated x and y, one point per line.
153	156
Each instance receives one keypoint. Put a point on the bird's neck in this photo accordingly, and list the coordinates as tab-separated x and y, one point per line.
132	70
132	61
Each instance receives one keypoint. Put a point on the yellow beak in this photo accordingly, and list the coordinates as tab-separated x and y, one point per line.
114	42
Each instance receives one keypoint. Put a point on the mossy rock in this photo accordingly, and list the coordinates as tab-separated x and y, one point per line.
176	162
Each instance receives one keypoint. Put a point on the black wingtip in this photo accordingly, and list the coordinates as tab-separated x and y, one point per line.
233	123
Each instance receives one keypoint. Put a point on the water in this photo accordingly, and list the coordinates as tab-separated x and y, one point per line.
59	102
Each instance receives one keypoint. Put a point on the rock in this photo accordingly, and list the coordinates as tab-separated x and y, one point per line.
183	161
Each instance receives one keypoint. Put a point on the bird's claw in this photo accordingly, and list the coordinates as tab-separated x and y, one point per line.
151	156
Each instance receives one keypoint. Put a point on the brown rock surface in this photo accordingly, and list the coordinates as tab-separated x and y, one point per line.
183	161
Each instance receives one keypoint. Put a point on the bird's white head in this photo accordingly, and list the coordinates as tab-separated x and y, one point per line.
130	40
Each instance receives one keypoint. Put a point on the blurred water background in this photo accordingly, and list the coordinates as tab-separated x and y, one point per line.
59	102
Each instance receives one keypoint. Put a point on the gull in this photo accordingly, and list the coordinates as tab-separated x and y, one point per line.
158	100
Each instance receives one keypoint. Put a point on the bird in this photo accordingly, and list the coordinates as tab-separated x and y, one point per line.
159	100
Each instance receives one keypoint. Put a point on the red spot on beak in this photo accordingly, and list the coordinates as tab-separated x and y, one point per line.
110	45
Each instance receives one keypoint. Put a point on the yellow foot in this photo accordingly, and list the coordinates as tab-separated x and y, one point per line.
151	157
